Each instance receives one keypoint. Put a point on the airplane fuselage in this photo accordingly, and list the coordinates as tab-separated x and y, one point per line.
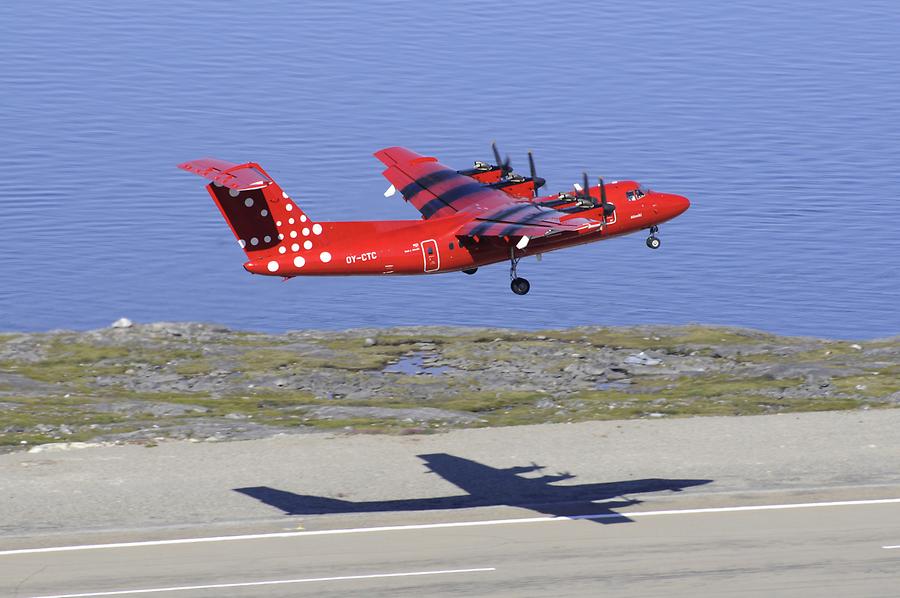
408	247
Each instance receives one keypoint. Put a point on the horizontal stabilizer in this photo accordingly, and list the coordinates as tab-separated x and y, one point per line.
235	176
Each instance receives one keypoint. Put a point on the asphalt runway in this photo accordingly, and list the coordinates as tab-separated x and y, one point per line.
843	548
805	505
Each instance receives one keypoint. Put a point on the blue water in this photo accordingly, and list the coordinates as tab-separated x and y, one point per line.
779	121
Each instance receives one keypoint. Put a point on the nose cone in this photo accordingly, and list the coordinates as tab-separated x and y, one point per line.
673	205
681	204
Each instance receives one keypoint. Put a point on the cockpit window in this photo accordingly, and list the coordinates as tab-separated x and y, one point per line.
636	194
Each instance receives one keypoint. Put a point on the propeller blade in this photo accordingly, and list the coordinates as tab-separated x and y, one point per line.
536	181
503	164
608	208
587	188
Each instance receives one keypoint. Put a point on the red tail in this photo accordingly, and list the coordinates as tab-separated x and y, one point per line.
265	221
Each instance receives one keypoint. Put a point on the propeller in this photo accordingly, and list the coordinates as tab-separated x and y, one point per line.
503	164
537	182
585	189
608	208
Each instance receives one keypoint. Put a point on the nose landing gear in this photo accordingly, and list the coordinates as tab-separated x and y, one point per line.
519	286
653	241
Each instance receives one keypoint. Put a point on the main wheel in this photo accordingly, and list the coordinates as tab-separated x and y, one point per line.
519	286
653	242
471	271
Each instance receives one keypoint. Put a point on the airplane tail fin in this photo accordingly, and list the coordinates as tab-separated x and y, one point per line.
267	224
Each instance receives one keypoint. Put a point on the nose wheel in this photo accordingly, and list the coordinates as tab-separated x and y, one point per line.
519	286
653	241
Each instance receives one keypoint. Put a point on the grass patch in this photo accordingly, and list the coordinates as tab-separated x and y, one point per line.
194	367
341	354
705	387
871	385
79	363
486	402
82	423
672	340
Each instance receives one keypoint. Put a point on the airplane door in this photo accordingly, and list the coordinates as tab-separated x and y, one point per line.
430	255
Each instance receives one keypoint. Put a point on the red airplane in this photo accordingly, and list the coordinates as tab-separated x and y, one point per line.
470	218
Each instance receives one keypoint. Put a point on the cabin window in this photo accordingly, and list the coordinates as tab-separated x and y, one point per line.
629	195
430	251
451	246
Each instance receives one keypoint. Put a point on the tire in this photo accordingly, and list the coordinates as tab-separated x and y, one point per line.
520	286
470	271
653	242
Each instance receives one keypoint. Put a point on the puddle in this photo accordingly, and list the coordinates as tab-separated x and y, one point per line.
414	364
617	385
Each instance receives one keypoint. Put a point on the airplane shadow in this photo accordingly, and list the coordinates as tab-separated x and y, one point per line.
487	486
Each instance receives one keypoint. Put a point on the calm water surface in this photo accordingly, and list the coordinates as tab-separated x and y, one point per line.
780	122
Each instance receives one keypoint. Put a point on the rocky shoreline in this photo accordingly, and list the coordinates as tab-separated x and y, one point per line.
149	382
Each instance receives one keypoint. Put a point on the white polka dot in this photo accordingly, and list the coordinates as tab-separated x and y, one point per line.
272	266
233	192
282	250
278	223
242	243
248	202
284	195
307	244
217	184
302	217
254	241
295	247
299	261
305	232
267	238
290	220
317	228
281	236
325	257
293	234
264	213
288	207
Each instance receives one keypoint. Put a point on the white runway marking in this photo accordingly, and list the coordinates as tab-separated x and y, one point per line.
390	528
248	584
890	547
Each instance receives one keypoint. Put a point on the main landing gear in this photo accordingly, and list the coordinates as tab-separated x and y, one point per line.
470	271
519	286
653	241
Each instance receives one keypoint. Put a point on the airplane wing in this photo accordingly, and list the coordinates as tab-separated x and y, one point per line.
434	189
437	190
524	219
